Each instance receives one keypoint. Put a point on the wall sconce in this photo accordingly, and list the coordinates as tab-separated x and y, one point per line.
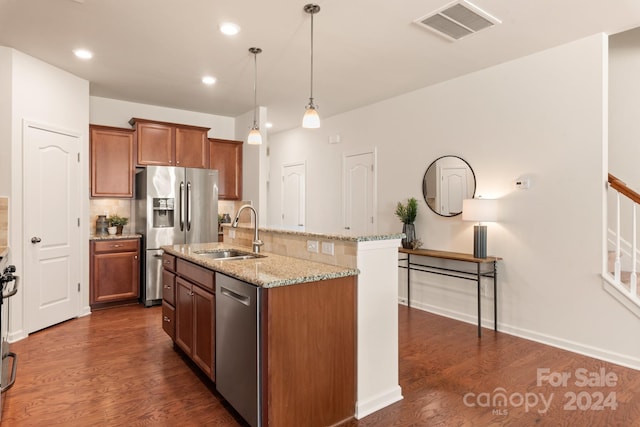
480	210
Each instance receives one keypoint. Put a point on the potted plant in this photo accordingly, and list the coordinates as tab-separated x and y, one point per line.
118	221
407	214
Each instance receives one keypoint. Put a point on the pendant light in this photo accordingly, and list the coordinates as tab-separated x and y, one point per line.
255	138
311	119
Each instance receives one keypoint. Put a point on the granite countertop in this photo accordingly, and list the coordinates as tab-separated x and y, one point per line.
269	271
334	236
115	236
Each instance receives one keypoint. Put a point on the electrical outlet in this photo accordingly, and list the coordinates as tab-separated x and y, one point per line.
327	248
232	233
312	246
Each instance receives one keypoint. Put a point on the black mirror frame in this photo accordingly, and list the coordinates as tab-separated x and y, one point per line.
424	187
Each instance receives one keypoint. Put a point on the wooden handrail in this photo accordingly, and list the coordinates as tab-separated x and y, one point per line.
623	189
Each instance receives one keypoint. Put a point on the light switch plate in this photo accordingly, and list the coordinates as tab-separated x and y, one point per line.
312	246
232	233
327	248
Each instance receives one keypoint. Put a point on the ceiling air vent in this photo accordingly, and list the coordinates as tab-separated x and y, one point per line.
457	20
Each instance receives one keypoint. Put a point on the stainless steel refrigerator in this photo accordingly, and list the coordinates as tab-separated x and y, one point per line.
173	206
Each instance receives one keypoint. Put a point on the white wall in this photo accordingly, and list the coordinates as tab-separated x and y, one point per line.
541	116
5	119
113	112
255	166
44	94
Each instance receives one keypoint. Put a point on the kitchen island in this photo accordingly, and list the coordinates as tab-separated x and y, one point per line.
304	361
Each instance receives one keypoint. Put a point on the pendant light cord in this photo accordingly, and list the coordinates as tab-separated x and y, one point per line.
311	89
255	87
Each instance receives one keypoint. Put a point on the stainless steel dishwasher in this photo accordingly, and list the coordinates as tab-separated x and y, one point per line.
238	346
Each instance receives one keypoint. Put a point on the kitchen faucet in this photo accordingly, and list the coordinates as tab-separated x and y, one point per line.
256	240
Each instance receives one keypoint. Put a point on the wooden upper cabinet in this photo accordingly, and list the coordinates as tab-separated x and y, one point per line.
111	161
170	144
226	156
192	147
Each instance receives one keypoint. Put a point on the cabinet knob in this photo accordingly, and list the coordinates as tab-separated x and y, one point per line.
135	257
116	246
167	286
166	319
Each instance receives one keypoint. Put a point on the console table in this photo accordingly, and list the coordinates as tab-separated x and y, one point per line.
485	267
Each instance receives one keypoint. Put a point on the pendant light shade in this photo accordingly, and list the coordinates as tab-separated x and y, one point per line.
255	138
311	119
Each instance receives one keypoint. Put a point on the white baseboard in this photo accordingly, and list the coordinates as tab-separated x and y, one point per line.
375	403
575	347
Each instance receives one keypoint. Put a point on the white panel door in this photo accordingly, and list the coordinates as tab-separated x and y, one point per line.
51	226
293	196
453	188
359	194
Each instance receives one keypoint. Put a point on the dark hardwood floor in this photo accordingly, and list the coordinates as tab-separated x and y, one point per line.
118	368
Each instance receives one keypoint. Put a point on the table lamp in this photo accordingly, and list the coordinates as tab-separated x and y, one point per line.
479	210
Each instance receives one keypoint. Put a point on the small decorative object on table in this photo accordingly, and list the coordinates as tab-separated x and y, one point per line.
407	214
118	222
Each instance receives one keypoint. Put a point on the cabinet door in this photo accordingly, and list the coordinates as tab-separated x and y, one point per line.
112	167
156	144
115	277
191	147
204	323
226	157
184	315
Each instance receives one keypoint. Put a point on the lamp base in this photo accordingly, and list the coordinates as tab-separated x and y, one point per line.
480	241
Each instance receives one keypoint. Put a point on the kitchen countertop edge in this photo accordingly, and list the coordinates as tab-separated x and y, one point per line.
270	271
115	237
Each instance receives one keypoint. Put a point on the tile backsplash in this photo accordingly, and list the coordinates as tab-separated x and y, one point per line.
121	207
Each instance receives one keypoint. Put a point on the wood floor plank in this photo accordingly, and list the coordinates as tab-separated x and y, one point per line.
117	367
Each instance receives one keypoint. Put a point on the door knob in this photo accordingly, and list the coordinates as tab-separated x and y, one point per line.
35	240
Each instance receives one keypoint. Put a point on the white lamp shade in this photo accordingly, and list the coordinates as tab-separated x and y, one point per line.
255	138
311	119
480	210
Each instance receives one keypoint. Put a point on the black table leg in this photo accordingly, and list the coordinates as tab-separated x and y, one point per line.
495	297
479	304
408	280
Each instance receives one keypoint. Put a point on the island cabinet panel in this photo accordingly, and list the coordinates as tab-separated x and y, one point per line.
170	144
169	319
195	322
310	353
112	164
226	157
115	272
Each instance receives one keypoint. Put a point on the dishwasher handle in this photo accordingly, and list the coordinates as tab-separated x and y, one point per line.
242	299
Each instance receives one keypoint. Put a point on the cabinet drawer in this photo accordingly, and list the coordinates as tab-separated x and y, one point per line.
196	274
102	246
169	287
169	262
169	320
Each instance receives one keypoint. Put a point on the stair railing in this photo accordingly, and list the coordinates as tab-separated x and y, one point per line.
623	190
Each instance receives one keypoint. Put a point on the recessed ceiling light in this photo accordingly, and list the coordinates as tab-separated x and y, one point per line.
208	80
83	53
229	28
269	125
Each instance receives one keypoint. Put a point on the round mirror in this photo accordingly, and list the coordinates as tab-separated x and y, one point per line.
448	181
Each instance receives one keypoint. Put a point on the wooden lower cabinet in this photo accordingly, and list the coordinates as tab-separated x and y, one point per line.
307	337
195	324
115	272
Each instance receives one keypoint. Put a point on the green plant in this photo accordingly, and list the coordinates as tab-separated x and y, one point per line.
116	220
220	218
407	213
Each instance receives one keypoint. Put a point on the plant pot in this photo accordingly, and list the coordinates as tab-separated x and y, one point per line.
119	229
409	231
112	230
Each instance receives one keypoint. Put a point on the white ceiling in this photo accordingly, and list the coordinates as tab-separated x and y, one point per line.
156	51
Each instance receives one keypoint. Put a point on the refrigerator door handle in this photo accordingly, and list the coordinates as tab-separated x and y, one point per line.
182	206
188	205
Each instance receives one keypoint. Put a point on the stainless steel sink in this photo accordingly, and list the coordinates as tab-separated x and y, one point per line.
228	254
